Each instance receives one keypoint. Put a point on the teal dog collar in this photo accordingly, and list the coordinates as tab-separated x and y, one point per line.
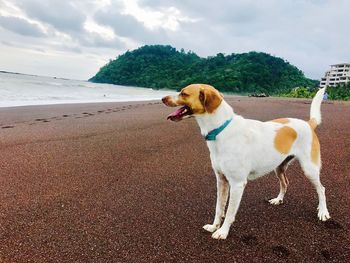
211	136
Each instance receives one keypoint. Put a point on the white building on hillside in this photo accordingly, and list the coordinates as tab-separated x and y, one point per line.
338	74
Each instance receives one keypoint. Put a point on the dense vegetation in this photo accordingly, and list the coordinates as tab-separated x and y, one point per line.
341	92
160	67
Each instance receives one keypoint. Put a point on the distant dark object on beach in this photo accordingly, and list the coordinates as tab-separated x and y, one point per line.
259	95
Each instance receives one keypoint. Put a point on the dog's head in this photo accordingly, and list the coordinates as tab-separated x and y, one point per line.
195	99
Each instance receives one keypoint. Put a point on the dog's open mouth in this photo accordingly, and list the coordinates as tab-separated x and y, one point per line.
180	113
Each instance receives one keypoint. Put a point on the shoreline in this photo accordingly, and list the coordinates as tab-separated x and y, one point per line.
24	90
75	102
227	96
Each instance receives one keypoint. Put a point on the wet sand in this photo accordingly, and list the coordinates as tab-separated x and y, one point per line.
116	182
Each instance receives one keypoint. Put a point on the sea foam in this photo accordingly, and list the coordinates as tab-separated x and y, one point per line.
21	90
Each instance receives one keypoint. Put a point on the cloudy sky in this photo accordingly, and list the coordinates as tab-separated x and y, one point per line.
74	38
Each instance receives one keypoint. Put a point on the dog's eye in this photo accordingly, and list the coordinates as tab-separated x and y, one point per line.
184	94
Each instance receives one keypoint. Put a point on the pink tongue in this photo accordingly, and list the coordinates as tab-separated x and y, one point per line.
175	113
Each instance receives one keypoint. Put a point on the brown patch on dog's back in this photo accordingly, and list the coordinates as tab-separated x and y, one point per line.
281	120
284	139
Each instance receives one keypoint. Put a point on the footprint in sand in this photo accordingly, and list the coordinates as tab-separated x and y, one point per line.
326	254
249	240
281	251
7	127
332	224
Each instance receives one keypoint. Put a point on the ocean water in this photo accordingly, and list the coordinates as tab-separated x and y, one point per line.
21	90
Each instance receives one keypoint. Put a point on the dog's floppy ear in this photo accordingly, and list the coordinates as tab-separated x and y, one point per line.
210	99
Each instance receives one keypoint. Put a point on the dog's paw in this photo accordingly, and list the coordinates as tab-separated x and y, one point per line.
210	228
276	201
323	214
220	234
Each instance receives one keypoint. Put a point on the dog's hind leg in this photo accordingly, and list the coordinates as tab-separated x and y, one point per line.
281	174
312	172
221	200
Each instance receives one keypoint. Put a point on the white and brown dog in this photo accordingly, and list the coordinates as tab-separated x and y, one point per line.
237	145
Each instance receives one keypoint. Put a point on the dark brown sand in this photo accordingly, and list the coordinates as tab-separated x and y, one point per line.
116	182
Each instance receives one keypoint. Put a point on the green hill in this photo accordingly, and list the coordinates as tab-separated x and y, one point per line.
160	67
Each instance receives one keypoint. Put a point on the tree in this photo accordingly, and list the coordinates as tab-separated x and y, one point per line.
158	67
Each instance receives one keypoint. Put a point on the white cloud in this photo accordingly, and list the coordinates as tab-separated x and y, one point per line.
310	34
168	18
103	31
52	62
8	8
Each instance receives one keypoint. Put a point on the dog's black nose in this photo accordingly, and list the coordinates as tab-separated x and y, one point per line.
164	99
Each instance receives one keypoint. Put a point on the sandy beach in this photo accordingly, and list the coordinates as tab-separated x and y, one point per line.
117	182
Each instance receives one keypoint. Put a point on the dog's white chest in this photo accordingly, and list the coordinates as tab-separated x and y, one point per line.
225	157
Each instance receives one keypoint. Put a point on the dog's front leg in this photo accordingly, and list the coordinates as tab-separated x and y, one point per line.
236	192
221	199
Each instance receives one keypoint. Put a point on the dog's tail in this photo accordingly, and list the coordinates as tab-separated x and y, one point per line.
315	110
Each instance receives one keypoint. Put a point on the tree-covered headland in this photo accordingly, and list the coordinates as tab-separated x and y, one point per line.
160	67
